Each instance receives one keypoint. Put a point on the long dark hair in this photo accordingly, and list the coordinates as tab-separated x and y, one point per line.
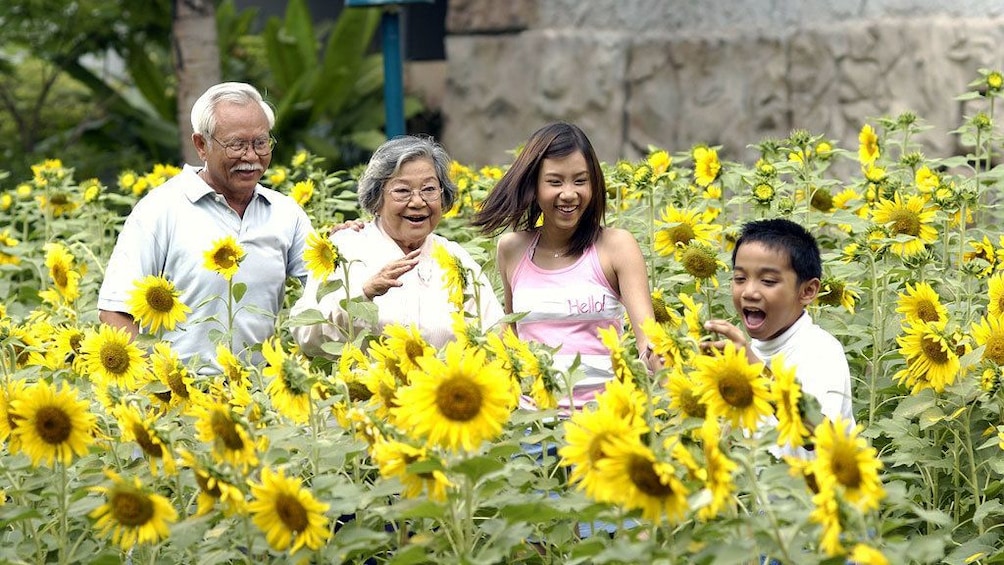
513	201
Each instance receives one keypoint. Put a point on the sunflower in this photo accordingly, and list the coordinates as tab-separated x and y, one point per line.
931	361
131	514
684	396
995	295
302	191
141	428
10	391
455	277
845	460
909	223
700	260
718	474
706	165
287	513
405	344
290	384
921	304
154	303
587	435
63	273
763	193
320	256
785	392
52	423
732	388
982	260
678	227
110	357
989	332
233	370
835	292
664	344
224	257
633	478
231	441
6	243
626	401
67	347
394	457
172	374
458	403
618	361
659	161
868	146
214	488
864	554
826	513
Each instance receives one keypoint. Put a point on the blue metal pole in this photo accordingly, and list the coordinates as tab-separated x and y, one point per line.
393	72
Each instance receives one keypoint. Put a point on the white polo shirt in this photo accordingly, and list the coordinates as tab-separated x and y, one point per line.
169	231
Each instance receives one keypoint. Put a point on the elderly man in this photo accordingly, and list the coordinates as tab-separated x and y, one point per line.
170	230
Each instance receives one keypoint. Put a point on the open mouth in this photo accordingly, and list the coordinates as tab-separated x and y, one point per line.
416	219
754	318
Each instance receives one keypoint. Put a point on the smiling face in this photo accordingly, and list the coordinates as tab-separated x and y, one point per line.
564	191
766	292
234	176
409	223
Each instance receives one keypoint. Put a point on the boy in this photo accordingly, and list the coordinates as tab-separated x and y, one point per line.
776	270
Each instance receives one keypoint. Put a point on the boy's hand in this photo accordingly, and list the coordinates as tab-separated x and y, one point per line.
729	332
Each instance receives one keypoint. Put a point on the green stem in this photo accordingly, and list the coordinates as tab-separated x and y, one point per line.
64	556
762	501
974	478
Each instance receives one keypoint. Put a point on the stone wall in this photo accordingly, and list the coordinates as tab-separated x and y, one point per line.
672	73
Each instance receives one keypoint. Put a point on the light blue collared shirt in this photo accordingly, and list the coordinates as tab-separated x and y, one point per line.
169	231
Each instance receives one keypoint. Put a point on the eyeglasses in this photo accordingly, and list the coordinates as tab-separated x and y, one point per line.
428	194
235	148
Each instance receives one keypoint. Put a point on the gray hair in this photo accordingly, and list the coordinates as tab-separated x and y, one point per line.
242	94
387	161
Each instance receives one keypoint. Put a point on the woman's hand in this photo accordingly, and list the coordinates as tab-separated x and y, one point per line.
354	225
388	276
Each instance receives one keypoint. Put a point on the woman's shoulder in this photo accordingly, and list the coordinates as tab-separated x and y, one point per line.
513	244
615	239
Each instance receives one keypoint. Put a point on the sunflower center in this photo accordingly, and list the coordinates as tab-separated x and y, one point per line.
691	405
160	299
736	390
175	380
291	512
642	474
459	399
146	442
413	349
225	429
905	222
927	311
699	263
845	467
202	480
681	233
934	351
131	507
596	447
53	425
60	276
114	358
822	200
224	257
995	349
359	392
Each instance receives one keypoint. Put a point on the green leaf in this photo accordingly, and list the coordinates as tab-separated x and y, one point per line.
239	290
343	56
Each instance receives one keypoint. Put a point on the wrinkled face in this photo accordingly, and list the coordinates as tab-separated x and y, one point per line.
766	292
409	223
564	190
234	175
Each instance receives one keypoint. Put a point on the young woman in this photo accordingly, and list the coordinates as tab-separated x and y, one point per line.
570	275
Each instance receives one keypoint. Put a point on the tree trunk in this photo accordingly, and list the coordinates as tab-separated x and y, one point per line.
196	62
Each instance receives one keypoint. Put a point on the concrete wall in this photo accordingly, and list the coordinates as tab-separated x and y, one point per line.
672	73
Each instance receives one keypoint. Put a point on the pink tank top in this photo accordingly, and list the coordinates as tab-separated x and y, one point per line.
566	308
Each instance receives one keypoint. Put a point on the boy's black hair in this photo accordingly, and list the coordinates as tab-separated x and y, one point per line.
789	237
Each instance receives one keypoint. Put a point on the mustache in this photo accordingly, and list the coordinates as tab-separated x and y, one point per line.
247	167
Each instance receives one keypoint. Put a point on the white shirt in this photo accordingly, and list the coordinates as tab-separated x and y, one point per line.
422	300
820	367
168	233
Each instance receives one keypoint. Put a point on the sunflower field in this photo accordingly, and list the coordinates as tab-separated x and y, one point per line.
392	451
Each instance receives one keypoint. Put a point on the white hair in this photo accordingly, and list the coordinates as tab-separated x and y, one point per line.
204	109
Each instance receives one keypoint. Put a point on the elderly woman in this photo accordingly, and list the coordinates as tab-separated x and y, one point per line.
406	187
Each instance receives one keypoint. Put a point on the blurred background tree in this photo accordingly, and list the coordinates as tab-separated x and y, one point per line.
97	84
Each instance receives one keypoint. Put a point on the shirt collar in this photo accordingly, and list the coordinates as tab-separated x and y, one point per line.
198	188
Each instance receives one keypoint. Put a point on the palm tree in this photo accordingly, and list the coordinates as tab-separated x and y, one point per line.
196	62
